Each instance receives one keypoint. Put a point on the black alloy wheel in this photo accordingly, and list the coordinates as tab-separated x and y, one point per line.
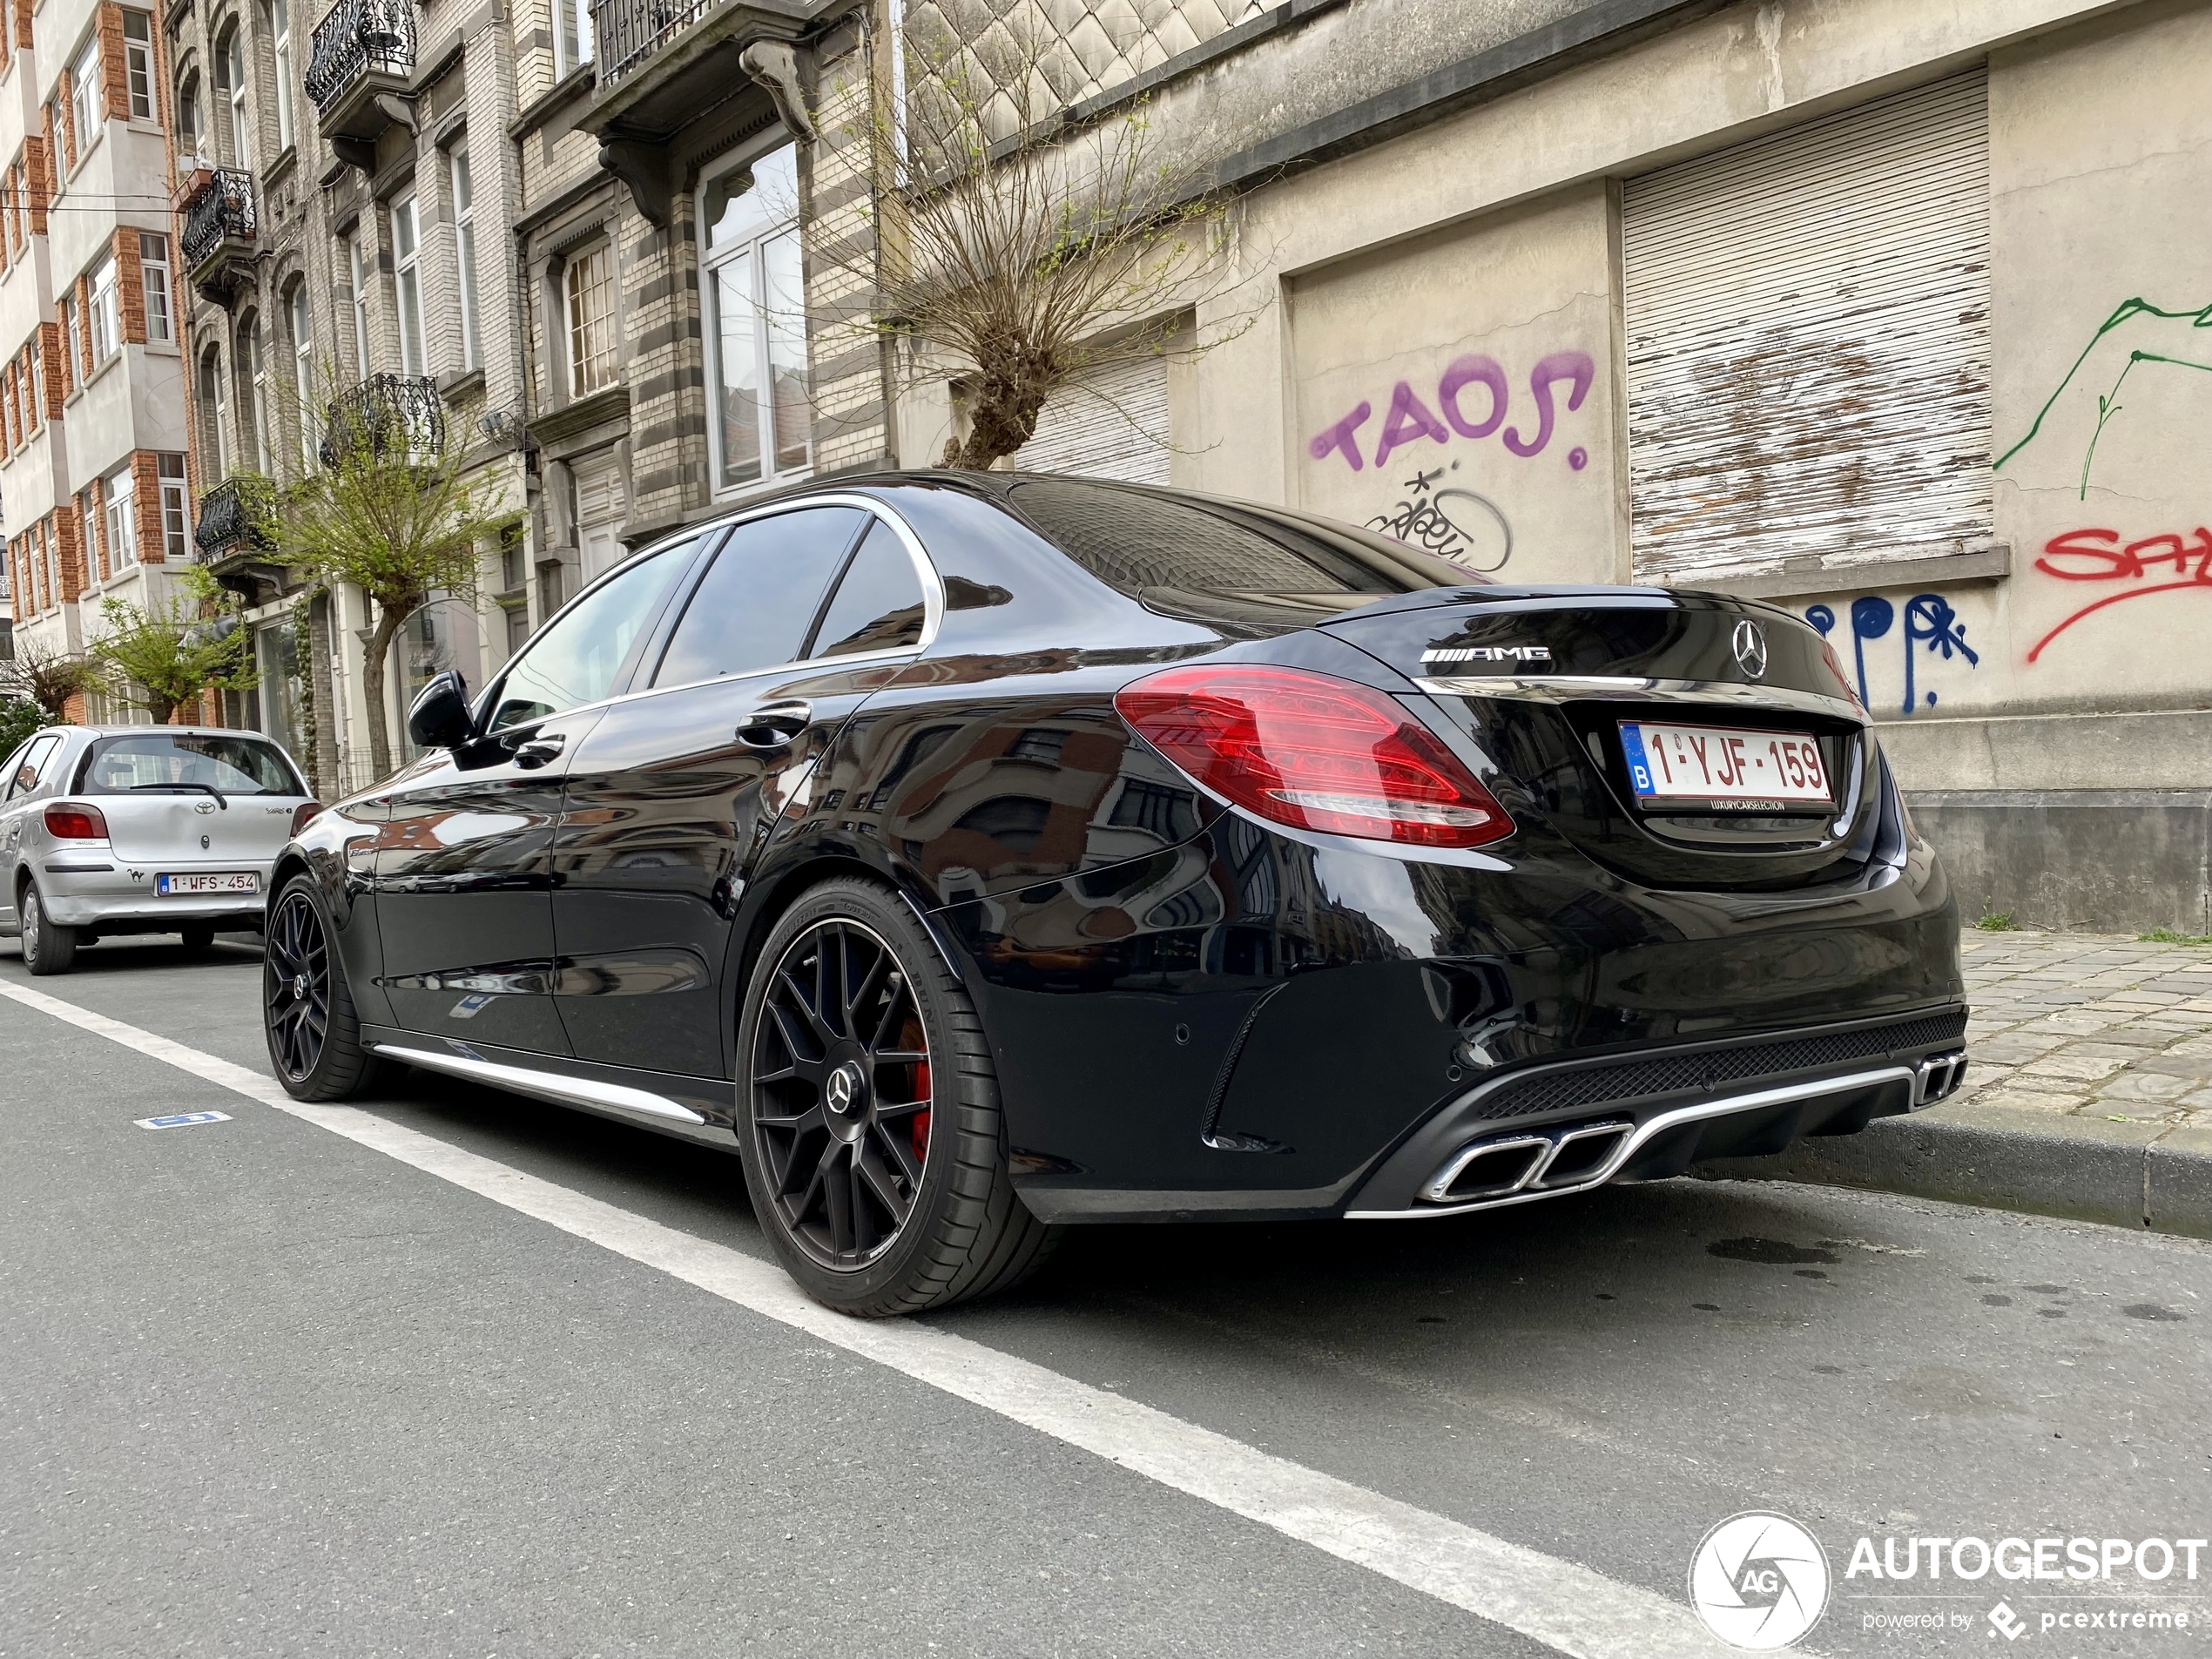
840	1093
307	1006
869	1113
295	986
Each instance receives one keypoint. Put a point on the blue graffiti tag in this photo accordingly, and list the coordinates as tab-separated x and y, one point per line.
1929	620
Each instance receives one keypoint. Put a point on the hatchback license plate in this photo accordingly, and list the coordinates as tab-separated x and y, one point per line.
1775	770
174	886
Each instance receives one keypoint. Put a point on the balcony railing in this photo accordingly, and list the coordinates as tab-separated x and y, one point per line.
385	416
359	37
233	519
627	32
222	211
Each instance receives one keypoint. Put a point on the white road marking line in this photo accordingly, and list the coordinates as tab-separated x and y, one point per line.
1554	1602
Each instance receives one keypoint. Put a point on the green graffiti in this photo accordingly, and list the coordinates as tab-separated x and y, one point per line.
2109	402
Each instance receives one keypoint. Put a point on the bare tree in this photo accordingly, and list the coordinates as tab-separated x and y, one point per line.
1021	249
47	680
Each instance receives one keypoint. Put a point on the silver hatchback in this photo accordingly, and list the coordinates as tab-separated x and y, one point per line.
108	830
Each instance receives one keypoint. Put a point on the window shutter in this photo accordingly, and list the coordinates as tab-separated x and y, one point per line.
1808	344
1110	423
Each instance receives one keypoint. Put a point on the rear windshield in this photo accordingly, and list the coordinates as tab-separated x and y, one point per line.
189	763
1141	539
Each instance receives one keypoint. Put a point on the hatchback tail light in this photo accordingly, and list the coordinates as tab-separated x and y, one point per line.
305	814
71	822
1314	752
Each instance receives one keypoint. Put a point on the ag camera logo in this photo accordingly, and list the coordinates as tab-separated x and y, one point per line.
1759	1581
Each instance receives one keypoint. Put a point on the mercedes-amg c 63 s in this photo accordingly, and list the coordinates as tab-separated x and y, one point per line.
982	853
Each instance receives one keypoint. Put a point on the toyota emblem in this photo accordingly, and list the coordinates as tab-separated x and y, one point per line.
205	808
1750	642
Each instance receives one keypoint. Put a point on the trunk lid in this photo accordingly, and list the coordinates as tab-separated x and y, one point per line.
152	828
1563	688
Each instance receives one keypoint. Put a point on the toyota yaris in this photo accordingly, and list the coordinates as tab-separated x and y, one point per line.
986	853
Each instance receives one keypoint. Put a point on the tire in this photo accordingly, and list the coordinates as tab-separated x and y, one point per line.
307	1016
199	936
964	1232
49	947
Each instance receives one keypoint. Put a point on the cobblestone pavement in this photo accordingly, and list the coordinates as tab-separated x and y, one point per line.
2098	1028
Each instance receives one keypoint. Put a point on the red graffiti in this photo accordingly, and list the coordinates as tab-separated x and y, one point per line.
1410	419
2097	555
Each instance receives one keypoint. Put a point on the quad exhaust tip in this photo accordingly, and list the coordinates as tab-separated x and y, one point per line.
1544	1160
1937	1076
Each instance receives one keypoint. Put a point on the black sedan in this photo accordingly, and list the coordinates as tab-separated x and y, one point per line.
1199	859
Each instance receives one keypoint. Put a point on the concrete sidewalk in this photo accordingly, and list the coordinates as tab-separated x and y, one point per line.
2088	1090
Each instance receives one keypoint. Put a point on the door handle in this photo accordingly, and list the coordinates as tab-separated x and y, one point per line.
773	726
539	751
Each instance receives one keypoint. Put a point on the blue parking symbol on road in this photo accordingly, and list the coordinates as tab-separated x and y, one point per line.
183	1120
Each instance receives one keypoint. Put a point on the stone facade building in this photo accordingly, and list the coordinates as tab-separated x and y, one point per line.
93	488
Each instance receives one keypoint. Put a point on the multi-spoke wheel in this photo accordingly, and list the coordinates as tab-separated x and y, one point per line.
307	1007
870	1117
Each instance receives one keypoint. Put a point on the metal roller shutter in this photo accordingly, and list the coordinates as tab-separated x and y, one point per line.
1111	424
1808	344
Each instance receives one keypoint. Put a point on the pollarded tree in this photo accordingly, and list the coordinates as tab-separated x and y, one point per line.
394	511
1022	249
172	653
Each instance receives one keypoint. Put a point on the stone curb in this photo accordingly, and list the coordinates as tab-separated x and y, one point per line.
2125	1174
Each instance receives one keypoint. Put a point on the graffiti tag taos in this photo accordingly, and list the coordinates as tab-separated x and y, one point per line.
2164	564
2182	347
1473	395
1928	622
1461	525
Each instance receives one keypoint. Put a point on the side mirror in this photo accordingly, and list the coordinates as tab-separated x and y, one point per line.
439	719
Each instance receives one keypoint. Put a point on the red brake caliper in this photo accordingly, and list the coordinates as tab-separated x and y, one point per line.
911	1036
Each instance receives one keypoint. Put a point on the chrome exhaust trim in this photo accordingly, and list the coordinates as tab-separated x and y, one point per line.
1535	1151
1937	1076
1525	1192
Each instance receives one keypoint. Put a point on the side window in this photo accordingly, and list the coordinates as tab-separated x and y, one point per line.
576	660
33	766
756	607
879	603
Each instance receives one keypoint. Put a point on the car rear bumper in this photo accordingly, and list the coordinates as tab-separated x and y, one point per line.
99	891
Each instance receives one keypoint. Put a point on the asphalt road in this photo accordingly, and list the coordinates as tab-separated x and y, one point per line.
267	1390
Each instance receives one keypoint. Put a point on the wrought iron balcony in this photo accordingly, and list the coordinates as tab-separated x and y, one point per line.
234	520
364	52
384	417
220	219
627	32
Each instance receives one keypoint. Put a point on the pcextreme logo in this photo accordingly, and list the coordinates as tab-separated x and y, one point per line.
1759	1581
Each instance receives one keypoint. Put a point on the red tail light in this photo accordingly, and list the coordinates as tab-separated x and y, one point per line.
72	822
1315	752
303	814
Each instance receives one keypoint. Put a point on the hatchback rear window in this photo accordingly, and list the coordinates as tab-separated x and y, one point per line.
1140	539
189	763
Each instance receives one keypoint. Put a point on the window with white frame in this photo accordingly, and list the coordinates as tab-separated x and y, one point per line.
406	262
253	393
280	33
756	321
215	412
138	63
357	266
303	367
590	288
188	117
122	532
37	377
73	330
572	47
107	314
463	196
176	509
231	63
153	287
85	93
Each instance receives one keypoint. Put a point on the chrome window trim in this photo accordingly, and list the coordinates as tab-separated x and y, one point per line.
932	600
546	1085
1555	688
1724	1107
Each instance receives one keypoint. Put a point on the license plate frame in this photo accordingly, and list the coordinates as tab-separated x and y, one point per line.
1673	765
203	884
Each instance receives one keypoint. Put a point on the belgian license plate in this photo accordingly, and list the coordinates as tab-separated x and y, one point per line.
1769	770
177	887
